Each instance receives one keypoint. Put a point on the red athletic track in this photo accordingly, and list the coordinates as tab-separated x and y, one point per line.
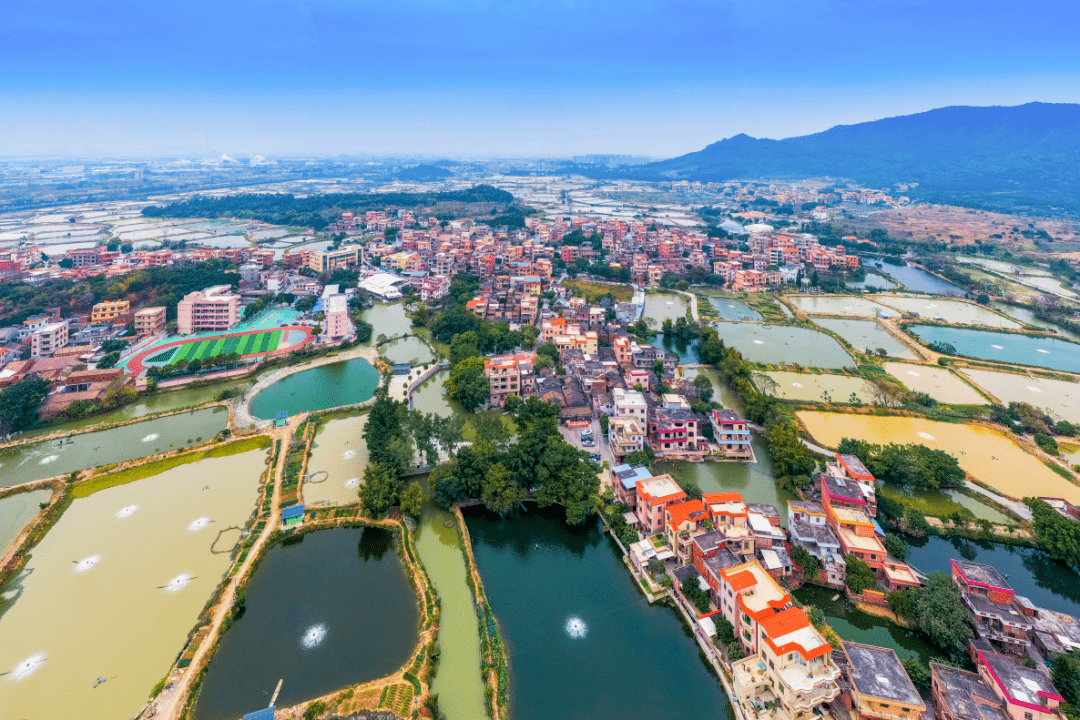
135	365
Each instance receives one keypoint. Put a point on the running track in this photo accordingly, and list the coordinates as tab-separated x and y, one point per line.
135	365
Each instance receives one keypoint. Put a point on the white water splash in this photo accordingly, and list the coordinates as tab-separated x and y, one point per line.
997	347
912	373
1032	388
1044	352
759	342
151	437
348	455
352	483
796	384
178	583
926	436
48	459
126	511
576	628
198	524
314	636
27	667
87	563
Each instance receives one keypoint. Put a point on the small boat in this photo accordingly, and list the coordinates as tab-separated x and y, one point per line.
836	596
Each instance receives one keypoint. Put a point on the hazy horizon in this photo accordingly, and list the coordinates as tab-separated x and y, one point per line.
483	79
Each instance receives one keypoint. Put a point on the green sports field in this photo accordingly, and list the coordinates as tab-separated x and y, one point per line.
201	349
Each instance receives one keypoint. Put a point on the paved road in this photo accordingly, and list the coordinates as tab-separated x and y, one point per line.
693	303
601	448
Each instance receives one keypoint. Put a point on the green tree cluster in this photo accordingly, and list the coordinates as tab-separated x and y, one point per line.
692	591
860	576
19	404
910	465
1055	533
809	564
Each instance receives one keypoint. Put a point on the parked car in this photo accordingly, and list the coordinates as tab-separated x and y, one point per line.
587	441
594	457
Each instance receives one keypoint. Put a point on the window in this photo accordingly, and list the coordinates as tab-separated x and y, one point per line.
1027	716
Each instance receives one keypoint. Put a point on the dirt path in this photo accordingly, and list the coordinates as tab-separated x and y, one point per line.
170	703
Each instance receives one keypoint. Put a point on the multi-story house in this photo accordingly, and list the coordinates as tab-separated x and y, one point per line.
1026	693
654	496
880	688
508	375
48	338
624	480
731	434
625	435
215	308
808	528
993	603
109	310
962	695
149	321
674	431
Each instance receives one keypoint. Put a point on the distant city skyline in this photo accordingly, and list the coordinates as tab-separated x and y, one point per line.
480	78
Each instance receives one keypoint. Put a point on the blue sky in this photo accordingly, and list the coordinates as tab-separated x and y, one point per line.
488	78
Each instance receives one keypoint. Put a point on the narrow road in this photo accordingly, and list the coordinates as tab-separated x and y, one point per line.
693	304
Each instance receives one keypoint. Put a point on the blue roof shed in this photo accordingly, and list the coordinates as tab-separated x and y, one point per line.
264	714
293	512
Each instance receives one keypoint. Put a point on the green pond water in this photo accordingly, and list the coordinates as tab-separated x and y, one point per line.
332	610
731	309
16	512
784	345
854	625
942	503
147	405
457	681
867	336
387	319
919	280
664	306
582	640
1050	353
26	463
320	388
410	350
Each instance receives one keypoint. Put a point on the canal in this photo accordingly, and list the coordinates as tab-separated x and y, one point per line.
327	386
332	610
582	639
26	463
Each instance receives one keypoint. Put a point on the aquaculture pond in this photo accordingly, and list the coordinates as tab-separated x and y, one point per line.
60	456
872	281
387	319
1061	398
1032	573
942	503
116	585
731	309
320	388
457	681
687	351
839	305
818	388
953	311
1027	315
1046	352
784	345
573	619
147	405
754	481
665	306
338	458
410	350
331	610
16	512
867	336
937	382
984	453
919	280
854	625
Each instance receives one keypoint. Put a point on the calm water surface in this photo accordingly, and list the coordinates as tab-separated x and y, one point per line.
337	463
16	512
784	344
320	388
26	463
868	336
1044	352
731	309
920	280
333	610
583	641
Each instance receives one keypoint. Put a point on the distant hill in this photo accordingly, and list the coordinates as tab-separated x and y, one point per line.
423	173
999	158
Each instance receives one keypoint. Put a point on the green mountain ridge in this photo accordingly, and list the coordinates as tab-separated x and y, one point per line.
997	158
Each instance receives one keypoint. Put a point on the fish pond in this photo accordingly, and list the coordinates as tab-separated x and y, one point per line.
327	386
338	458
26	463
16	512
919	280
839	305
575	624
1027	315
114	588
942	503
872	281
389	320
411	350
732	309
784	345
953	311
937	382
868	336
984	453
817	388
1046	352
665	306
330	609
1061	398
